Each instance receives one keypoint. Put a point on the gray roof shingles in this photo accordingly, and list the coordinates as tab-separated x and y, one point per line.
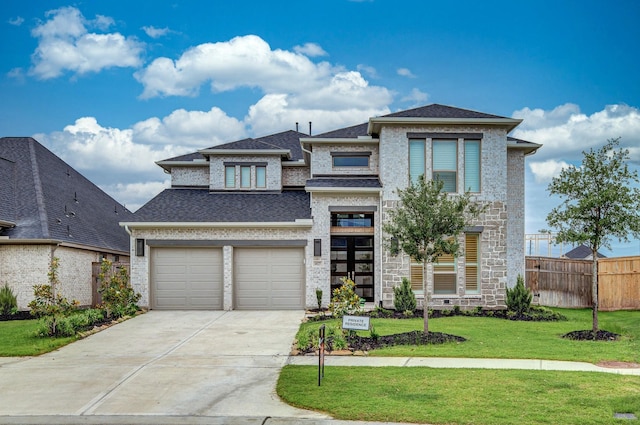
200	205
51	200
345	182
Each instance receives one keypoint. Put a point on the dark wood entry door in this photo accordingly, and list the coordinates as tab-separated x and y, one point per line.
352	257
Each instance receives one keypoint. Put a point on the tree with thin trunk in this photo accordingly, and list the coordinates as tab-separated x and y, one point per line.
599	203
426	224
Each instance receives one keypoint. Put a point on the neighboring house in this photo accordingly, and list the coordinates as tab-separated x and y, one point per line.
48	209
582	252
262	223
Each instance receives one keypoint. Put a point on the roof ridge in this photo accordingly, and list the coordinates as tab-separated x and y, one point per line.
35	169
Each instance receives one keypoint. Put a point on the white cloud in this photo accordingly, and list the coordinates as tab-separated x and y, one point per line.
154	32
370	71
17	21
565	132
198	129
17	74
405	72
310	49
416	96
134	195
65	44
241	62
545	171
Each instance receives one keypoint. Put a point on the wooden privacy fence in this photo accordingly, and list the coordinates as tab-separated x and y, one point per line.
95	284
563	282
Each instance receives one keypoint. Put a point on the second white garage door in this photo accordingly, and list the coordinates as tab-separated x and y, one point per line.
269	278
186	278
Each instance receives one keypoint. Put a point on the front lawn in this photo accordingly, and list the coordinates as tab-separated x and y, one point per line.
498	338
461	396
18	338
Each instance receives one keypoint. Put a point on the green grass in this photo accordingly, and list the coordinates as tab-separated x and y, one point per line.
18	338
461	396
498	338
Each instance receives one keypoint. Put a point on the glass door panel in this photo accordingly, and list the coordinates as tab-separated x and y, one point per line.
352	257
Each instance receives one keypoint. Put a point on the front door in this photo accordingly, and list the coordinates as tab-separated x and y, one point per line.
352	257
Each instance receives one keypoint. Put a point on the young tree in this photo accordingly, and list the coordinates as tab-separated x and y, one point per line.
427	223
598	204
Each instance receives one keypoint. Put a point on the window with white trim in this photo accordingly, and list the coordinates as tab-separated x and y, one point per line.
230	177
472	166
445	163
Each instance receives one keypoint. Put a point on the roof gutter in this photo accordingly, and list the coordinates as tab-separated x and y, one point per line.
298	223
376	123
344	189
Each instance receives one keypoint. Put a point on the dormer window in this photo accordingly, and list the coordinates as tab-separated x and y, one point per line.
245	175
350	159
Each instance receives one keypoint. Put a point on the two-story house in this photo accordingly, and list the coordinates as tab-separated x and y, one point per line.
263	223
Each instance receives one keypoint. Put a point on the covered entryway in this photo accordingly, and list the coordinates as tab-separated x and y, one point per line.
269	278
186	278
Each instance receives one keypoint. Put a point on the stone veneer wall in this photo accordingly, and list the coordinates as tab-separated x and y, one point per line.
295	176
515	217
190	176
322	162
274	171
394	166
140	266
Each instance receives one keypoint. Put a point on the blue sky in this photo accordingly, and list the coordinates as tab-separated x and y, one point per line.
112	86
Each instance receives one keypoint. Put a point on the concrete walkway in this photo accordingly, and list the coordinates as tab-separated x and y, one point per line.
461	363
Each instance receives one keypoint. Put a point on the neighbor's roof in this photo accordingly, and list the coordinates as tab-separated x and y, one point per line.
44	198
581	252
202	206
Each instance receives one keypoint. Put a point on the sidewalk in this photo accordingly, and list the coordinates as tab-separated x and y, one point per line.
460	363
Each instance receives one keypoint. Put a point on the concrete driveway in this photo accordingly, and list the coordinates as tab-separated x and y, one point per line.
164	363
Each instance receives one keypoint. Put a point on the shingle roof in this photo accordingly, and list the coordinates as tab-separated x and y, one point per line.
348	132
47	199
580	252
440	111
345	182
200	205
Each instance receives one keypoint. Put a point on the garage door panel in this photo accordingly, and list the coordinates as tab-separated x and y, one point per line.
269	278
186	278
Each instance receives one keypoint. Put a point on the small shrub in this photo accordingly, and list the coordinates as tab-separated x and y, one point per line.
381	312
519	298
374	334
319	298
456	310
403	297
408	313
118	297
345	300
8	301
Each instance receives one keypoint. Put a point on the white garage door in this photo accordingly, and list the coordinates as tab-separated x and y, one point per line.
269	278
186	278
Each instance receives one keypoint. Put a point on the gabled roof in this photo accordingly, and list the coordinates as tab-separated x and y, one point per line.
202	206
348	132
46	199
286	143
441	111
581	252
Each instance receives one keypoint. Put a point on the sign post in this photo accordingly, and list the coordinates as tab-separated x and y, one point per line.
321	340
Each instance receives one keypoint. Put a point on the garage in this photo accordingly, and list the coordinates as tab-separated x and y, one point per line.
269	278
186	278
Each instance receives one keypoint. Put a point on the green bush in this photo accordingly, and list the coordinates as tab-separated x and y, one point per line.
8	301
319	298
70	325
345	300
118	297
403	297
519	298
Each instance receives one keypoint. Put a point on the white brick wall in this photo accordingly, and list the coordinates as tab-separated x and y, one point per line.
322	162
295	176
515	217
23	266
190	176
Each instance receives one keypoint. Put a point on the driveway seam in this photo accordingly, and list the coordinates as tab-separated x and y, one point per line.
92	405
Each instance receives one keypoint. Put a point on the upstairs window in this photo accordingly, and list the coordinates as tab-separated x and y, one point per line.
472	166
445	164
416	159
350	159
245	175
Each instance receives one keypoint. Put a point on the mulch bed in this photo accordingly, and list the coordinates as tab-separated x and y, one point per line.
590	335
360	343
20	315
